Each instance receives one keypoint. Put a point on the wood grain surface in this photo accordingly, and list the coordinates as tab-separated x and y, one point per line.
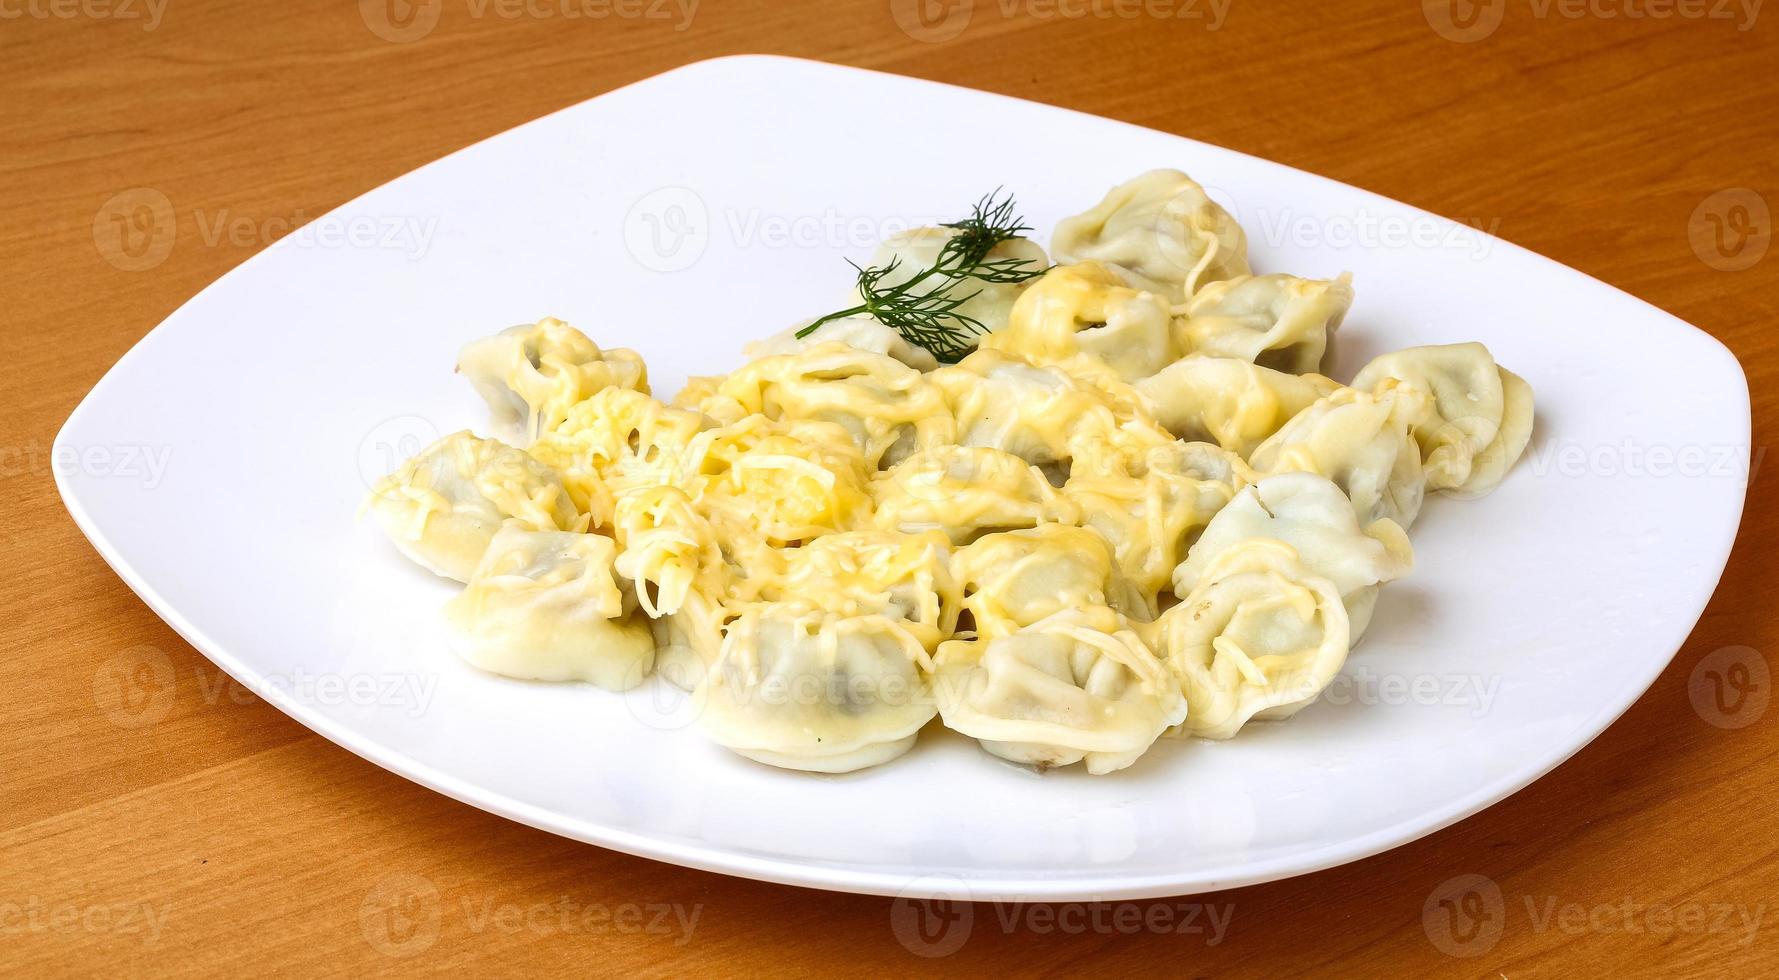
214	834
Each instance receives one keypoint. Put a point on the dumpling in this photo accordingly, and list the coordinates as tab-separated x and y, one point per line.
1364	442
1077	686
862	331
1315	518
1086	309
1161	232
1013	579
1260	636
983	302
1230	402
688	639
1149	517
1275	321
785	480
669	549
802	688
616	440
889	409
445	505
1040	414
532	374
965	492
1481	418
546	606
906	578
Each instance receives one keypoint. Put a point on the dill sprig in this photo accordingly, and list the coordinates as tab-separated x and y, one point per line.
929	317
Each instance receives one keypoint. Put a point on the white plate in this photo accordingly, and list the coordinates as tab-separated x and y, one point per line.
690	212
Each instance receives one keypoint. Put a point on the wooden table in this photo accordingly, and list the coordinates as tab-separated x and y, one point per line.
226	837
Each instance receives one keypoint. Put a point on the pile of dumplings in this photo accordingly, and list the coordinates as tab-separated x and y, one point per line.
1135	510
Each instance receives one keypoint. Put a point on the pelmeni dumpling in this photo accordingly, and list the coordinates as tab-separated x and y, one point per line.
1364	442
902	577
1314	517
546	606
1161	233
1481	418
1149	517
1040	414
669	548
861	331
1076	686
985	303
799	687
1086	309
617	440
1275	321
532	374
1230	402
1012	579
1259	637
890	410
445	505
965	492
788	480
688	639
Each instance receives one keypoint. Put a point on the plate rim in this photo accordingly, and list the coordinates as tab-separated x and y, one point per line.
847	878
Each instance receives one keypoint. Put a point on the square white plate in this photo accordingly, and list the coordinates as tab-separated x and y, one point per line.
690	212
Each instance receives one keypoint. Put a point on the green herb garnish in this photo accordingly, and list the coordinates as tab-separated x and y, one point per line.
929	317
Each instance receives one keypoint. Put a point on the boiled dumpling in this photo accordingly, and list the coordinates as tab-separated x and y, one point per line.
799	687
906	578
617	440
1012	579
442	507
964	492
1230	402
546	606
784	480
861	331
1260	636
1077	686
1315	518
1086	309
532	374
1482	413
1150	516
889	409
1275	321
1161	232
1364	442
1043	415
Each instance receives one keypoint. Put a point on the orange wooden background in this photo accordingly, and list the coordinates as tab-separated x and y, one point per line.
154	818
